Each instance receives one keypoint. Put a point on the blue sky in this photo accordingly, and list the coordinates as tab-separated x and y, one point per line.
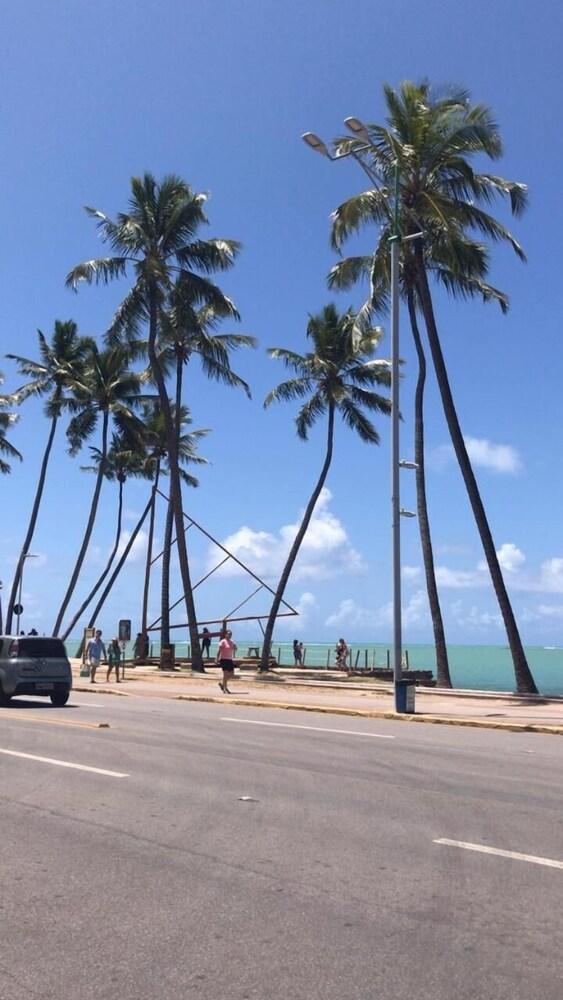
220	93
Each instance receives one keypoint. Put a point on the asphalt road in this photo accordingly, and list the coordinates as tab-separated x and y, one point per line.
204	855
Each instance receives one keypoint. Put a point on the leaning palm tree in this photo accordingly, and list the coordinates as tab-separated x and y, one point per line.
157	240
375	270
337	376
431	141
122	462
156	441
187	330
105	389
7	420
50	375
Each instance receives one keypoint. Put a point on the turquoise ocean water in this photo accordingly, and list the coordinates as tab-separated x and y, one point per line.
484	668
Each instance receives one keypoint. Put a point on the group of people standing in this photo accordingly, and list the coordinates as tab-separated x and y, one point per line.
96	652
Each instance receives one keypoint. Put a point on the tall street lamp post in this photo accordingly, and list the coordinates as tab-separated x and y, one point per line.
314	142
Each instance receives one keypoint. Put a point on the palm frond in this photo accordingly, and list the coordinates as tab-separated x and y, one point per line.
98	271
357	421
295	388
223	373
310	413
362	209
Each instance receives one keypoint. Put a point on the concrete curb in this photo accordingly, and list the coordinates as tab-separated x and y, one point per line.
437	720
100	690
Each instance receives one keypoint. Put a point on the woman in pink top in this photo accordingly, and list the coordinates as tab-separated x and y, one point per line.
225	659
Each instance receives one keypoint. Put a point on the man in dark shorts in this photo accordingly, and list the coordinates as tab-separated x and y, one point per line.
225	659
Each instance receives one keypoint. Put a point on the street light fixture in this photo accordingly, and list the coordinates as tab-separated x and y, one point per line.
317	144
28	555
358	128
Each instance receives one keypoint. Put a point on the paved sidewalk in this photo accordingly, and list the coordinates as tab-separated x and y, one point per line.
284	690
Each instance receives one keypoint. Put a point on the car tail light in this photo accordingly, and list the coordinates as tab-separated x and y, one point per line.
14	648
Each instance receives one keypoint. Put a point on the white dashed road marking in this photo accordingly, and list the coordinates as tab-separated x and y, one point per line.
513	855
64	763
315	729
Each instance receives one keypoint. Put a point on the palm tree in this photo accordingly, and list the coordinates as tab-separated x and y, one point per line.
188	329
337	376
157	240
432	141
121	462
156	441
105	388
7	420
57	363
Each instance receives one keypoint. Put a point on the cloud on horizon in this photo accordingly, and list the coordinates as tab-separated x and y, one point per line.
502	459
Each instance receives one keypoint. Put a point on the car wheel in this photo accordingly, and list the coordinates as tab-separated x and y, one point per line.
4	698
60	698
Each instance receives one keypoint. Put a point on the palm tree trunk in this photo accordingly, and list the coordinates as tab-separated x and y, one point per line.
89	526
442	665
165	581
145	612
119	566
108	566
167	548
175	484
31	526
524	680
294	551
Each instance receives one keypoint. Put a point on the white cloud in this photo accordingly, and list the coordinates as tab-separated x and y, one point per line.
326	550
474	617
551	576
501	458
510	557
138	549
411	573
131	515
306	605
354	616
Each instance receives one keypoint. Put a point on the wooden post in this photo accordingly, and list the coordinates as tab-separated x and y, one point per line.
407	658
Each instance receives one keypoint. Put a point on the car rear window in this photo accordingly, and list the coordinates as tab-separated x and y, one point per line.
46	648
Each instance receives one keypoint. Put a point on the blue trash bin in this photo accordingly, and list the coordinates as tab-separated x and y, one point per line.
404	697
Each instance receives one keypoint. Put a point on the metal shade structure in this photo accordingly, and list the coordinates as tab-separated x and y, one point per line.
226	557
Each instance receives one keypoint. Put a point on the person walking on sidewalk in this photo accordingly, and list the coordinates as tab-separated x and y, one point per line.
95	650
114	659
225	659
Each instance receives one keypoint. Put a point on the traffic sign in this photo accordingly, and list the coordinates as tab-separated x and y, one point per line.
125	630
